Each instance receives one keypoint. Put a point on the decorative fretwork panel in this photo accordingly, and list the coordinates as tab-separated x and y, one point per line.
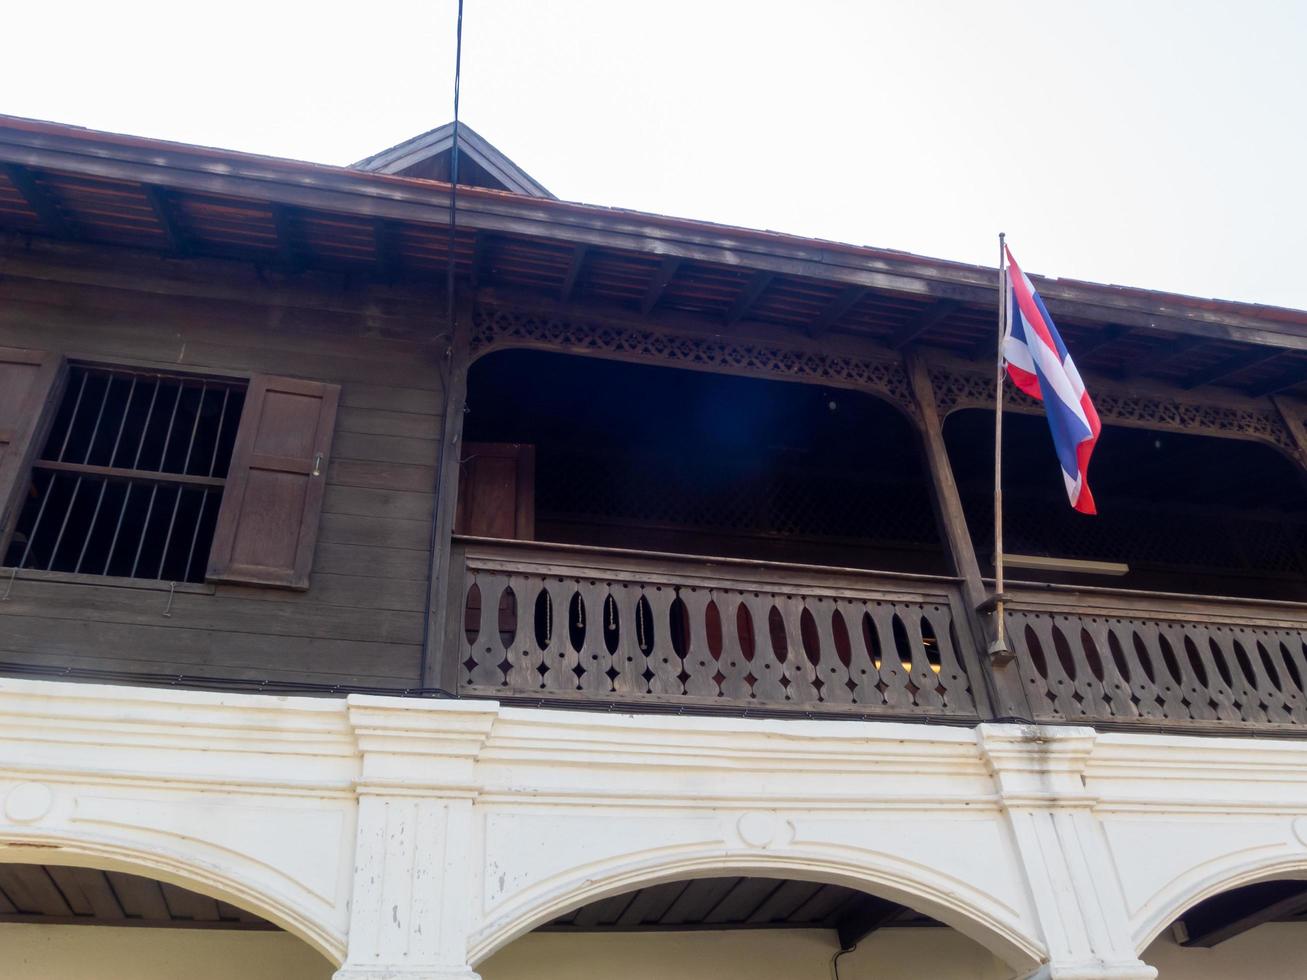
735	496
540	622
496	326
960	389
1219	663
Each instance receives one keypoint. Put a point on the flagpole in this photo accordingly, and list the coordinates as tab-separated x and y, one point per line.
999	647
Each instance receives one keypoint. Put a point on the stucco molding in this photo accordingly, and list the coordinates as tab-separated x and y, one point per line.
413	837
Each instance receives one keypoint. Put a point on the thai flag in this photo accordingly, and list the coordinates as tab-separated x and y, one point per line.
1038	363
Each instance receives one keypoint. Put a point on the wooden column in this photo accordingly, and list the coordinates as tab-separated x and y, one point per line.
1003	683
439	667
1291	411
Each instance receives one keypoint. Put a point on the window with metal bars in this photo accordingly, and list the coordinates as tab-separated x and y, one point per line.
130	479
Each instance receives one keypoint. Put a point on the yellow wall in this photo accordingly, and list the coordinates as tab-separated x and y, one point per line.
37	952
890	954
40	952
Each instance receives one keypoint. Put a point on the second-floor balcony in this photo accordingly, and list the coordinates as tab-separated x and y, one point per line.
577	625
660	540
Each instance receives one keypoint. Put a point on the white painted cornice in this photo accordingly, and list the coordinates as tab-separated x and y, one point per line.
1038	764
166	737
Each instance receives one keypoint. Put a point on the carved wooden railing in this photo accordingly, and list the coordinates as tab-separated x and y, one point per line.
558	622
1160	660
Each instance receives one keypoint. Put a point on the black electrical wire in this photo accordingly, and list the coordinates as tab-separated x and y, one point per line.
835	960
433	543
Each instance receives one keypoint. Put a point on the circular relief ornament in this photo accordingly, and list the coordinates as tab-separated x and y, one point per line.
28	801
762	829
1300	830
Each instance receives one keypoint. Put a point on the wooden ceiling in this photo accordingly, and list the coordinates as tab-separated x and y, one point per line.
513	245
741	903
61	895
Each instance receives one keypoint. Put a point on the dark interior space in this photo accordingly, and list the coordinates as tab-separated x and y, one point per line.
660	459
1183	513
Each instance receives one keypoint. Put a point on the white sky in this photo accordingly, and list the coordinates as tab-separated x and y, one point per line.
1154	143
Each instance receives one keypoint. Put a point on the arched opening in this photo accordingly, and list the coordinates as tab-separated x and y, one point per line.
746	927
147	930
1176	512
1257	930
663	459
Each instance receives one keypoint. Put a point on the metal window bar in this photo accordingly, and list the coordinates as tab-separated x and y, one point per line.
154	489
113	453
136	461
177	500
80	479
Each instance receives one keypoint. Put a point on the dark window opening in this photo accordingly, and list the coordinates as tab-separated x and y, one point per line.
662	459
130	477
1176	512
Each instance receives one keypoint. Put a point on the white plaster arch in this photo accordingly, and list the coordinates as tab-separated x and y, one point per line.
229	881
947	899
1207	880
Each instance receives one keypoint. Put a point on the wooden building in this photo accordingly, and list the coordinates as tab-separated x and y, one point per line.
638	603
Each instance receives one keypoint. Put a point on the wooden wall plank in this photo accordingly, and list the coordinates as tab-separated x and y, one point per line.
386	532
380	563
48	642
384	476
376	421
220	613
385	449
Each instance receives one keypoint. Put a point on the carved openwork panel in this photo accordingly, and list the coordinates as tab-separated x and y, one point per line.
1145	667
543	625
496	327
959	389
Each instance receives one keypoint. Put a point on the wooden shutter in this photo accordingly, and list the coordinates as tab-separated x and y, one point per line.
27	383
268	523
496	491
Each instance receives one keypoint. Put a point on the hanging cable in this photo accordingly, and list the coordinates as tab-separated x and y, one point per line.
453	169
434	542
835	960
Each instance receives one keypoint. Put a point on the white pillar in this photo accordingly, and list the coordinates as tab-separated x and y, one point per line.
414	865
1039	774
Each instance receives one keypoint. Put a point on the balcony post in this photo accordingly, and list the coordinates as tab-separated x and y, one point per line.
1003	683
439	669
1292	412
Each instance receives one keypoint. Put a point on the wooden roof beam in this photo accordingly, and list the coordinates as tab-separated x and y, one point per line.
1173	351
161	201
847	299
1291	378
288	250
658	285
1110	334
383	243
756	286
1231	366
39	200
935	313
579	254
1232	913
480	254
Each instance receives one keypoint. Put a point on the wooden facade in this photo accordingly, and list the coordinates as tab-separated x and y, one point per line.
359	621
344	557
